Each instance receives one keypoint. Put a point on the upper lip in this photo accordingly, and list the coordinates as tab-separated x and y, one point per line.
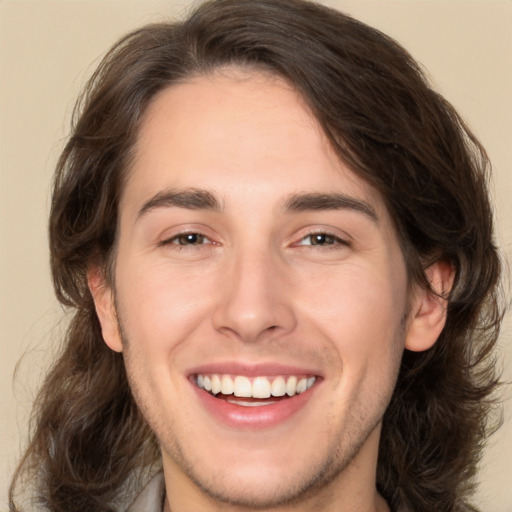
269	369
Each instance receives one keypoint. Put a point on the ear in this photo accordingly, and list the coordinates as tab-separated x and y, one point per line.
427	317
105	308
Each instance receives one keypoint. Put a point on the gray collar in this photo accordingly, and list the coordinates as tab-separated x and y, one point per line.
151	498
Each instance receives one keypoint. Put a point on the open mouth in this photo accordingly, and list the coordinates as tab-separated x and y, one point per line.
255	391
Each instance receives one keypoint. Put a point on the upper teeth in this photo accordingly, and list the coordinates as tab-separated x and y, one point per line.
257	387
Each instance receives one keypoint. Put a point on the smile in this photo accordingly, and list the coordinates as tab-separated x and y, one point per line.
241	386
254	397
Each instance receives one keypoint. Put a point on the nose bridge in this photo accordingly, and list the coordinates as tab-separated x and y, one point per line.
254	301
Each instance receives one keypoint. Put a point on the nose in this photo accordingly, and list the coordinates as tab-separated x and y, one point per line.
255	302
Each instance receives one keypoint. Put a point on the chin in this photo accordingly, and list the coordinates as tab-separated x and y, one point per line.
262	482
264	489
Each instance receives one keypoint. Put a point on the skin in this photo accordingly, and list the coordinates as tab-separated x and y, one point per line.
255	290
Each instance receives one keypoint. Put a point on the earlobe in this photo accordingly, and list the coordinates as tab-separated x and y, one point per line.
428	313
103	297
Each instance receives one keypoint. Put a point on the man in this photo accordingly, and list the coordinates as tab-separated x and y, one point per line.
278	242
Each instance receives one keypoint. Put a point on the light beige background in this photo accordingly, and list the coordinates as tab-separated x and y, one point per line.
48	48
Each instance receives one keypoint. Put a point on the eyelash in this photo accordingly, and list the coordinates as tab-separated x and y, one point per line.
333	241
330	240
175	240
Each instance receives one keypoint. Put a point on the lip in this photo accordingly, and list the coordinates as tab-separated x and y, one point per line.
253	418
253	370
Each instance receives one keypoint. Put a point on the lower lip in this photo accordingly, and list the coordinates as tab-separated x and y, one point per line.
252	418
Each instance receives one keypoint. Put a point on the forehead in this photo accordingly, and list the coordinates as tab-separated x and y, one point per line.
236	132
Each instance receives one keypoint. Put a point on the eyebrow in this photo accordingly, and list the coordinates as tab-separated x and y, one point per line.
190	199
330	201
199	199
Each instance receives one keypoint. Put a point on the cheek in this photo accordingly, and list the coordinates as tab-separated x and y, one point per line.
159	306
355	299
359	312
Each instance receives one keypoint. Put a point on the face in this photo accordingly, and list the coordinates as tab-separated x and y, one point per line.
260	296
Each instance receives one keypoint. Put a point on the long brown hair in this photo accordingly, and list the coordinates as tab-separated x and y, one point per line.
384	120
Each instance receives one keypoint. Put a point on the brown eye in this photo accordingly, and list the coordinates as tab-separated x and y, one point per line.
189	239
322	239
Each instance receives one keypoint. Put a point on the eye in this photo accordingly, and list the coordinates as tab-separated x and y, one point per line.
184	239
321	239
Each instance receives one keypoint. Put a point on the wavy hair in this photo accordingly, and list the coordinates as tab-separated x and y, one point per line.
384	120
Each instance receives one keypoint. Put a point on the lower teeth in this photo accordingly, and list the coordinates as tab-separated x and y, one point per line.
249	404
